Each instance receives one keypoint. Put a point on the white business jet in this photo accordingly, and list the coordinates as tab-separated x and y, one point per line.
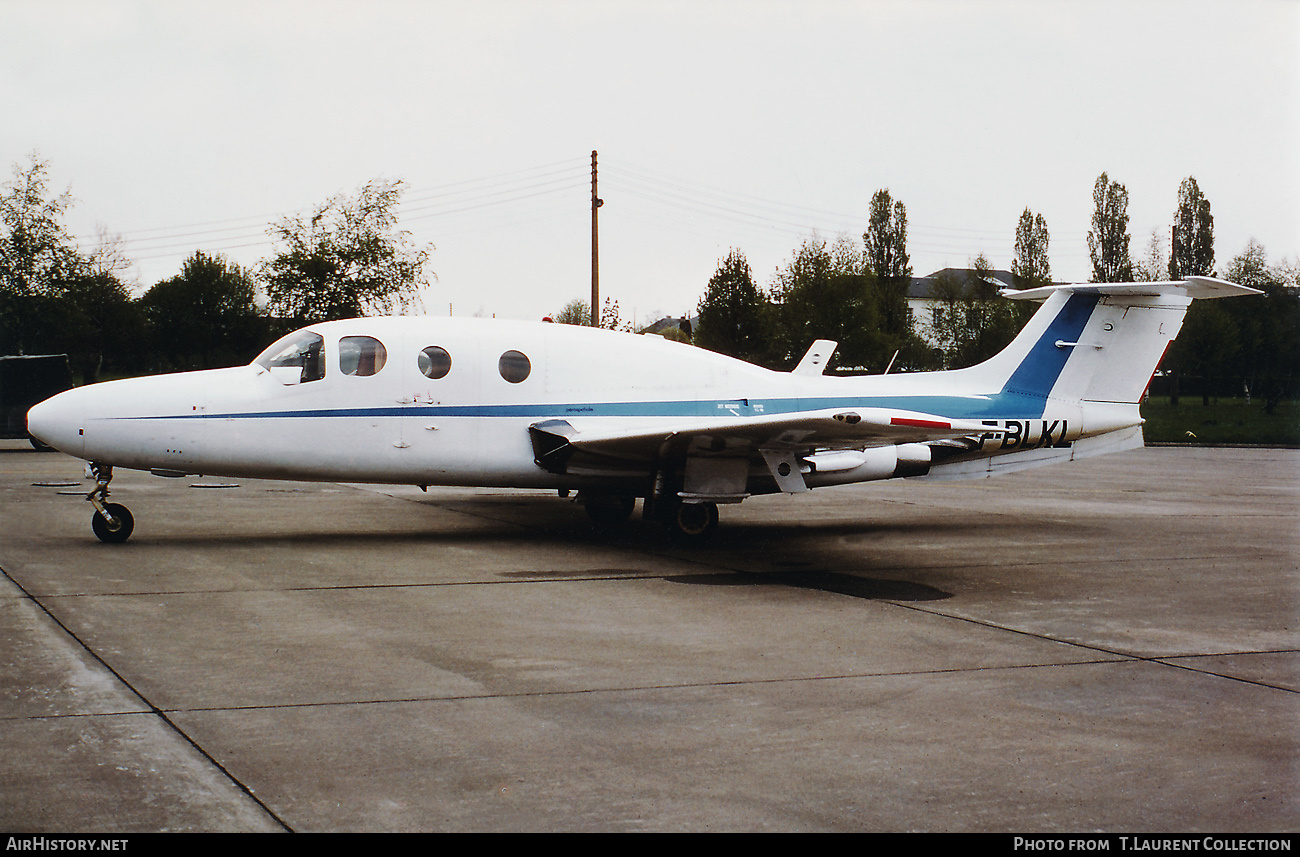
617	416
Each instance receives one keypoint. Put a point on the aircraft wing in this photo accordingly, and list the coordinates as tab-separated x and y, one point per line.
555	442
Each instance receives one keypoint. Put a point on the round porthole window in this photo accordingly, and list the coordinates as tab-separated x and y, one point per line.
514	366
435	362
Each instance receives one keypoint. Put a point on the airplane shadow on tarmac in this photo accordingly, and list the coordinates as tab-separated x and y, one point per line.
568	522
734	550
872	589
745	553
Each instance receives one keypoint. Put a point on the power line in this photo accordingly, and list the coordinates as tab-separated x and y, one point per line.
656	186
508	186
644	195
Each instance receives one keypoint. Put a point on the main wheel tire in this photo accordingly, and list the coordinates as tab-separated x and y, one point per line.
693	522
113	535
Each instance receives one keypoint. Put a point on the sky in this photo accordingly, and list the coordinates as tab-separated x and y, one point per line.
187	125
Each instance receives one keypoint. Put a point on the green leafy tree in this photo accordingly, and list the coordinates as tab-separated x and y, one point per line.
348	259
1247	345
813	298
37	258
576	312
1031	267
972	322
1268	360
1205	348
1193	234
886	260
97	324
733	312
206	316
1108	240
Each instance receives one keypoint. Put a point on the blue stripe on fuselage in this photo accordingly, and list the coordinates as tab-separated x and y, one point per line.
1002	405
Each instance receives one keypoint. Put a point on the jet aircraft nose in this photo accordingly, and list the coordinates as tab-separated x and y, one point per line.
58	422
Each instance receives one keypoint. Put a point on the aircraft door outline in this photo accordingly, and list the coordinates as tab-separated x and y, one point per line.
441	381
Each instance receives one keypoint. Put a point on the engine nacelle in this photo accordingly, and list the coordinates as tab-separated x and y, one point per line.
846	466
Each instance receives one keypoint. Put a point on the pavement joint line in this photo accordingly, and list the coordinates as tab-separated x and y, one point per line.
359	586
1115	658
541	577
152	709
1117	655
1164	659
651	687
1153	659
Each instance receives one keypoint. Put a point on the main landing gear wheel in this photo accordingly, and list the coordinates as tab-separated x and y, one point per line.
693	522
116	530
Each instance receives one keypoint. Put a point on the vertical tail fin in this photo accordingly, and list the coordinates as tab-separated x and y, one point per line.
1101	342
1087	354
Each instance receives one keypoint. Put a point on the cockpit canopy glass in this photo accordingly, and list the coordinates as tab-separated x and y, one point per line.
361	355
302	349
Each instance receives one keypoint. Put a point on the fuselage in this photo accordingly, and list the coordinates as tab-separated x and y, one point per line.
441	401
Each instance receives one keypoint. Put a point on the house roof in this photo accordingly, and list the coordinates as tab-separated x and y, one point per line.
685	324
923	288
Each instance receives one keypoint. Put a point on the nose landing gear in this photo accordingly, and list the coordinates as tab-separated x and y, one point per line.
112	522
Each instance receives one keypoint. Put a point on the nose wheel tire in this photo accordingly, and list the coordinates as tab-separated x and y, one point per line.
118	531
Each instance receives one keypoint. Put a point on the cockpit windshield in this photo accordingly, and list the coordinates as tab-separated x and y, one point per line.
302	349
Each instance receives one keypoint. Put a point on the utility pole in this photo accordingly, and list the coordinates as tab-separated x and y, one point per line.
596	202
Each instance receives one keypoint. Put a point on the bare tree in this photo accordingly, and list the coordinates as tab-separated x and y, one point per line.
1153	268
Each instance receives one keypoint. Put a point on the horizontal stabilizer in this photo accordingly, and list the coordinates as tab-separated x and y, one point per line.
1192	287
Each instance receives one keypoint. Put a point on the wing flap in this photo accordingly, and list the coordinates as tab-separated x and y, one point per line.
555	442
